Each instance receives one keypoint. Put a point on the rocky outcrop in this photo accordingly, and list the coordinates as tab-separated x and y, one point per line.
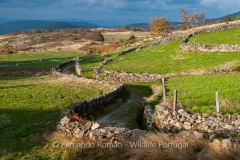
215	122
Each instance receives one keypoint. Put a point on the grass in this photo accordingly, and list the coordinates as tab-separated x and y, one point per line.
231	36
49	59
31	106
197	93
90	62
168	58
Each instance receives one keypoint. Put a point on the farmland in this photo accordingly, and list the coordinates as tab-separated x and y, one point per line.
30	106
168	58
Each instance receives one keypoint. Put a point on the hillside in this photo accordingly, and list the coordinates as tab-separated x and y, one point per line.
233	15
59	25
40	24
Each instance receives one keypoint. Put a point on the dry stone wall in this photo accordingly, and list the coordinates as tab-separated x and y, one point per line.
211	123
87	108
120	76
213	47
90	129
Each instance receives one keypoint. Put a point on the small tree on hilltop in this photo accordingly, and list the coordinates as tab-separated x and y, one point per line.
159	26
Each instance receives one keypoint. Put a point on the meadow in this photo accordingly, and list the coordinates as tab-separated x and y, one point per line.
168	58
48	59
197	93
231	36
31	106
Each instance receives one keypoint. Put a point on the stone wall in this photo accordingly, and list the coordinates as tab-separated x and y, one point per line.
87	108
213	47
211	123
120	76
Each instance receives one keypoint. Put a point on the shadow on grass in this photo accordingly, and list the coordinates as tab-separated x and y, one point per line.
24	130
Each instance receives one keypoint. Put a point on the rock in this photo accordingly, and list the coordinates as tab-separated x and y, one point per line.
65	120
204	115
137	132
160	108
95	126
187	127
229	127
198	135
179	125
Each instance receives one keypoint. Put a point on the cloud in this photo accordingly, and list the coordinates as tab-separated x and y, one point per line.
208	3
27	3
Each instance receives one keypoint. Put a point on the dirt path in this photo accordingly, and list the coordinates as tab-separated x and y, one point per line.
68	69
120	116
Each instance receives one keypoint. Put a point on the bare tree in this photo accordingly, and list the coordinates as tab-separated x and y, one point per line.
184	17
159	26
200	17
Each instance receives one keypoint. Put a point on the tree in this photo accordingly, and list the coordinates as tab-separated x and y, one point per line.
190	19
184	17
159	26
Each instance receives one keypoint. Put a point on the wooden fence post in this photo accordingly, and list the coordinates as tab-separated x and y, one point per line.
164	90
175	100
217	102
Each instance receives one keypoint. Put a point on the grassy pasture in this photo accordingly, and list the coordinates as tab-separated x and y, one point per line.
168	58
197	93
31	106
49	59
231	36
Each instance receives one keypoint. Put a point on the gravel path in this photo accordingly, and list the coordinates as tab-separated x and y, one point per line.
120	116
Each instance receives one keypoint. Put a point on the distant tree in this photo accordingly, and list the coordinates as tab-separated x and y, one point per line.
227	19
159	26
132	37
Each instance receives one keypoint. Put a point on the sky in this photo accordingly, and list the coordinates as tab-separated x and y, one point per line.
122	10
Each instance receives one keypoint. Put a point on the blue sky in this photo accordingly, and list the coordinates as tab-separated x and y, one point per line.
138	10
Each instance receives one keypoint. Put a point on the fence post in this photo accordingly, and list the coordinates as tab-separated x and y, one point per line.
164	90
217	102
175	100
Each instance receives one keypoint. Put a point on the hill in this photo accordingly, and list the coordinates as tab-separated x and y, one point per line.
59	25
41	24
22	25
233	15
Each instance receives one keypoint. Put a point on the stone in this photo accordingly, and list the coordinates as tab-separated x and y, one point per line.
137	132
160	108
237	123
95	126
64	121
204	115
198	135
187	123
187	127
229	127
179	125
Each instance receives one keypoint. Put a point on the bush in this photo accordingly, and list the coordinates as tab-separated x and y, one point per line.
237	68
132	37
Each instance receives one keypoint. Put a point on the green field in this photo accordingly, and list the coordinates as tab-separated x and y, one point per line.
197	93
49	59
31	106
231	36
168	58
